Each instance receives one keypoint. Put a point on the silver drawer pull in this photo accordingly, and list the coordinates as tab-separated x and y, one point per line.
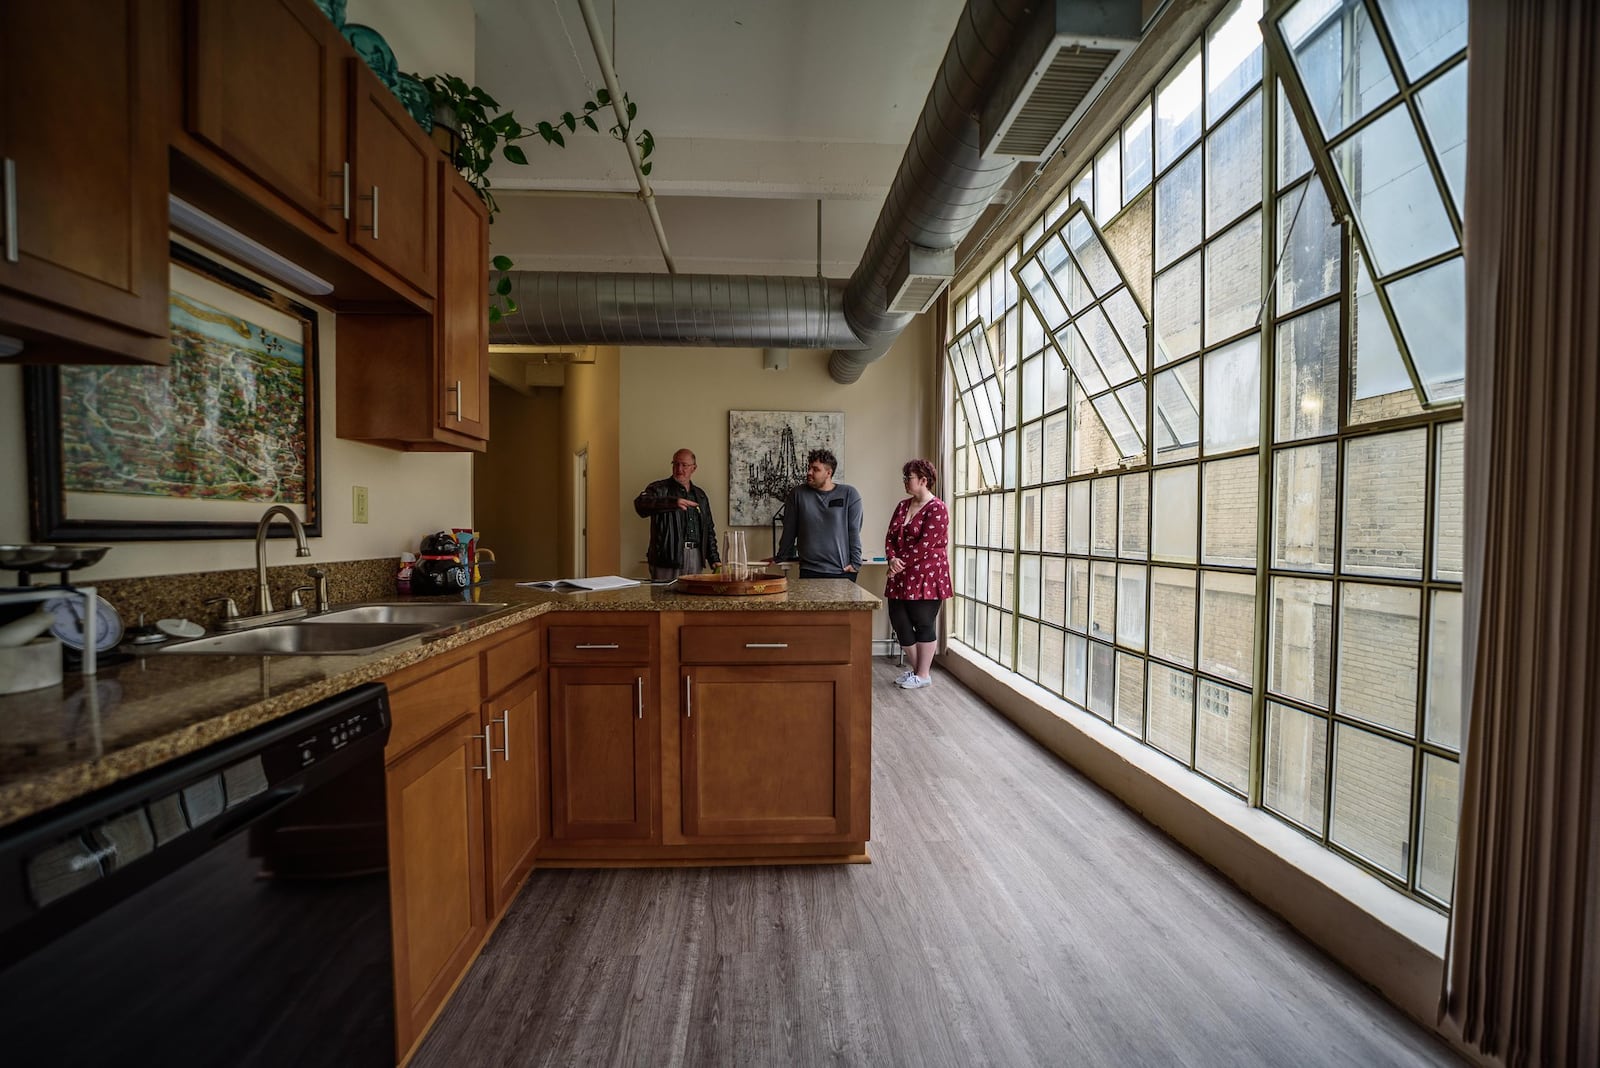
374	226
766	645
688	697
638	696
9	180
504	719
593	645
488	754
343	206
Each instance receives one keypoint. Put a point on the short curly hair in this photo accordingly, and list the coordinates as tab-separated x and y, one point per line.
823	456
922	469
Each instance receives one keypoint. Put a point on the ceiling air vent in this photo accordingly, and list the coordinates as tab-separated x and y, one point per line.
919	278
1068	54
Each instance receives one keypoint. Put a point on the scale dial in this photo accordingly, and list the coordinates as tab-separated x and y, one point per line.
68	611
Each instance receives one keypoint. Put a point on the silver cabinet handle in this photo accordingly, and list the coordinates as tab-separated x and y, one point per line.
344	190
488	754
766	645
374	226
10	182
505	734
595	645
456	389
688	697
638	696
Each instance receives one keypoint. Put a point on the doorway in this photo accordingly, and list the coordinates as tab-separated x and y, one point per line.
580	513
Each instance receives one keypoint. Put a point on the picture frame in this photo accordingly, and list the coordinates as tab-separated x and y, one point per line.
194	450
767	458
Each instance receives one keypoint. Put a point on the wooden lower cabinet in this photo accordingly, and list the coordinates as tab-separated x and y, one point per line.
436	871
601	721
766	751
517	788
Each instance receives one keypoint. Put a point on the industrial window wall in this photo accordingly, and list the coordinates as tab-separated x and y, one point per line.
1207	477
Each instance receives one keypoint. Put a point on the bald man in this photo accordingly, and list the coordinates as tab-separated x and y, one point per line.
679	514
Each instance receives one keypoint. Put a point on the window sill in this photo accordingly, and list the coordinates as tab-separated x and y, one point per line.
1387	939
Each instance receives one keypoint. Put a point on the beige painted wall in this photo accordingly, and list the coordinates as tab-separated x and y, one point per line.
426	36
589	419
680	398
512	509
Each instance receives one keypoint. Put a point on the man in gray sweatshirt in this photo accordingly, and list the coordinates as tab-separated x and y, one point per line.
825	516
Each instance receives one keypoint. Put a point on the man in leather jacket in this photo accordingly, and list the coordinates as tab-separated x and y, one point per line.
679	513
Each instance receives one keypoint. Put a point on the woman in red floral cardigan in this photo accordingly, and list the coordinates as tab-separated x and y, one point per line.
919	571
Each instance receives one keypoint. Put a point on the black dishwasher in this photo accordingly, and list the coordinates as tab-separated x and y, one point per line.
228	908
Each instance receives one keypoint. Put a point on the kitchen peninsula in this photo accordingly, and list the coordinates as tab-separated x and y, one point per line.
639	726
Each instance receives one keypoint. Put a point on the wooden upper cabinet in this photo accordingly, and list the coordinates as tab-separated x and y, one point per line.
394	182
463	307
83	207
266	89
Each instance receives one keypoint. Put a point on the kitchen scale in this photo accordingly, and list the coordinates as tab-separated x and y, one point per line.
70	606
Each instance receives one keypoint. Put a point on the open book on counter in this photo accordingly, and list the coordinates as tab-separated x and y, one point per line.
596	582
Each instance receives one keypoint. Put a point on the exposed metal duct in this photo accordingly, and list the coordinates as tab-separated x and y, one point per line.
942	186
725	310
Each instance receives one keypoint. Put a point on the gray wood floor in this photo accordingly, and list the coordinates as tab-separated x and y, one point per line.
1013	915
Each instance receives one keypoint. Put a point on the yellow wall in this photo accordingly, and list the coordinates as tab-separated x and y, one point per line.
589	419
676	398
511	495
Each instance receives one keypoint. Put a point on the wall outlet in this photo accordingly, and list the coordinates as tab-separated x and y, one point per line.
360	510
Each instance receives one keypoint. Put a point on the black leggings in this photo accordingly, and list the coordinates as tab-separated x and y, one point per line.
914	621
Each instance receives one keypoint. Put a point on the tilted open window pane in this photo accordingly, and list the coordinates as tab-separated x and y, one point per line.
1395	154
1338	58
1425	32
1105	338
1432	308
1392	194
1444	113
971	362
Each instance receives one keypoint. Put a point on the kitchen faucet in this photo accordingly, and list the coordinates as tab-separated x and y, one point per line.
264	595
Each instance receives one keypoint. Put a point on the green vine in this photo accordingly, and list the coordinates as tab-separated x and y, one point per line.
483	130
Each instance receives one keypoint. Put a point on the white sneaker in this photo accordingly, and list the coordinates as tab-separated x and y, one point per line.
903	676
914	681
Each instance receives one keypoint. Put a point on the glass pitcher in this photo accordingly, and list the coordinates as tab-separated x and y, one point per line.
735	561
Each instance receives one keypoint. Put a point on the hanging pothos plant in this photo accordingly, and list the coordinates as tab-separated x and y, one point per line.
481	130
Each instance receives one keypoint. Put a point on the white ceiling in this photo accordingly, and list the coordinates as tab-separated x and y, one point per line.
759	108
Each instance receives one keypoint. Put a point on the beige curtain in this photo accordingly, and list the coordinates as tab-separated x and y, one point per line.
1522	980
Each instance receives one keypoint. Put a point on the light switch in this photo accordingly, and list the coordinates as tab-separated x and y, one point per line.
360	511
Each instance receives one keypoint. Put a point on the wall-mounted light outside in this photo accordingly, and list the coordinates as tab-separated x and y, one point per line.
774	359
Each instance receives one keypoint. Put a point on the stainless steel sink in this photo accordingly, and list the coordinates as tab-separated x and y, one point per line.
304	639
433	614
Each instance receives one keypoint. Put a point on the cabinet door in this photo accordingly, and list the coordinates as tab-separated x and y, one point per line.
83	139
600	755
463	308
435	868
518	787
766	751
267	90
394	181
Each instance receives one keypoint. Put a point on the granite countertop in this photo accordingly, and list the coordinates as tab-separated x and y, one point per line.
66	741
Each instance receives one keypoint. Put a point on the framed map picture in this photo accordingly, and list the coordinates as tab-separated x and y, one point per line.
196	449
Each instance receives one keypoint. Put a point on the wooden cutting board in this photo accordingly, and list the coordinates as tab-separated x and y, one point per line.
728	586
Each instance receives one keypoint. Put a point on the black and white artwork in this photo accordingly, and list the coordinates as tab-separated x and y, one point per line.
767	458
